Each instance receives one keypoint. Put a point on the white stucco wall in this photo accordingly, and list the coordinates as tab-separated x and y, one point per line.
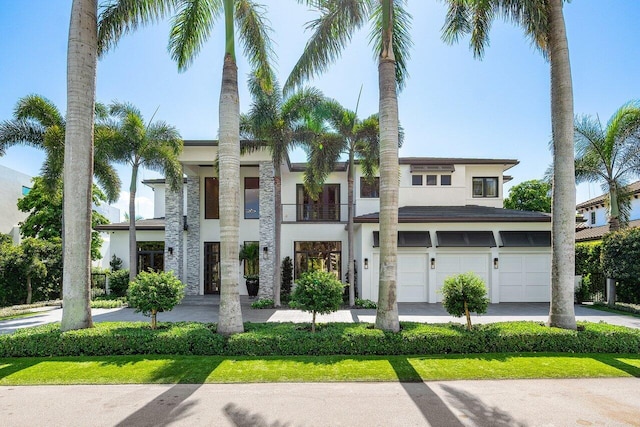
11	183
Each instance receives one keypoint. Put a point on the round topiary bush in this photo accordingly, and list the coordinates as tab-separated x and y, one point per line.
153	292
464	293
317	292
119	282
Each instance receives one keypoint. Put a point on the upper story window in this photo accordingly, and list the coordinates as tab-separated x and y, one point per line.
593	218
485	187
445	179
369	189
211	195
25	190
325	208
252	198
416	179
432	179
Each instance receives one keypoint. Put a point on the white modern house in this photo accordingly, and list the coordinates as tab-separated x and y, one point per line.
13	186
451	220
596	215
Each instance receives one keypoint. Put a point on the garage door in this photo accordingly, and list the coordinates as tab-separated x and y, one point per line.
412	277
452	264
525	277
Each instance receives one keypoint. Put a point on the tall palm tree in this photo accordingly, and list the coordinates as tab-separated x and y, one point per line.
154	145
543	22
281	124
357	139
390	35
610	156
191	27
38	123
78	165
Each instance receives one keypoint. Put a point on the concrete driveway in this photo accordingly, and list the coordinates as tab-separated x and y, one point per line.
205	309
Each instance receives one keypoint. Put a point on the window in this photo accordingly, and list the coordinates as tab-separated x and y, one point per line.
416	179
25	190
211	195
485	187
150	256
251	198
323	256
432	179
369	189
445	179
593	218
326	207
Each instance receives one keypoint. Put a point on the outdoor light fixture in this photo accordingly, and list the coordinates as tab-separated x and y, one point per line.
495	263
170	250
366	263
265	252
433	263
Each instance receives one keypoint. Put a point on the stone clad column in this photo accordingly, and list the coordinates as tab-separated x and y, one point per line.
193	235
267	230
174	230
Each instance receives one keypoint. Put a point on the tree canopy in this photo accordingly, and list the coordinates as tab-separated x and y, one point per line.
533	195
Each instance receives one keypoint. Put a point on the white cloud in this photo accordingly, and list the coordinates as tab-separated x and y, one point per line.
144	205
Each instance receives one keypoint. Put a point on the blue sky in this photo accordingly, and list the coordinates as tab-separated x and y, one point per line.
452	106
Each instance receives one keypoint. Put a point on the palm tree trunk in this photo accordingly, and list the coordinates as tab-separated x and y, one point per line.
614	208
350	270
277	182
133	249
561	312
230	318
78	165
387	311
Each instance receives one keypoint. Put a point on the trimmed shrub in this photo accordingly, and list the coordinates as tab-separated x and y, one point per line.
365	303
262	303
153	292
464	293
286	279
317	292
119	282
620	255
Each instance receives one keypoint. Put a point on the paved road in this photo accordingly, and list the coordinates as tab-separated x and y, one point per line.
205	309
586	402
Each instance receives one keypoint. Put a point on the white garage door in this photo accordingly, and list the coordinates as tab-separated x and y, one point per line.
452	264
412	277
525	277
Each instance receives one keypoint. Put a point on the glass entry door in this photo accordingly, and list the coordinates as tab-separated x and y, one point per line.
211	267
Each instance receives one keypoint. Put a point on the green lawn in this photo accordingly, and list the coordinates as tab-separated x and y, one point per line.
203	369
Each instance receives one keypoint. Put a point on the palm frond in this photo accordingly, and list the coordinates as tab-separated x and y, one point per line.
39	109
190	29
107	178
255	35
457	22
20	132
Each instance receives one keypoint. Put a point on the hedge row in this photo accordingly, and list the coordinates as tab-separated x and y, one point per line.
289	339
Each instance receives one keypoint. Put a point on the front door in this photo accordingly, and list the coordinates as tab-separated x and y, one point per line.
211	267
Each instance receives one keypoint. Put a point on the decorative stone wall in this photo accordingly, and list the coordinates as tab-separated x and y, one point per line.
174	231
193	235
267	230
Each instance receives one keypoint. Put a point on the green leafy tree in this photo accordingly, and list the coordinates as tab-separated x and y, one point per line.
333	29
152	293
532	195
32	263
192	25
610	156
317	292
464	293
543	23
154	146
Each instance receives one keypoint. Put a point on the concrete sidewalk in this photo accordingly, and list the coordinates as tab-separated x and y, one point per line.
205	309
564	402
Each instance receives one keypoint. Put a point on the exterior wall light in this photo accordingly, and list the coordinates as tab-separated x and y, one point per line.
265	252
495	263
433	263
366	263
170	250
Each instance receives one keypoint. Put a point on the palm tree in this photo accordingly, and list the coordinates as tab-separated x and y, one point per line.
281	125
332	30
543	23
357	139
610	156
155	146
191	27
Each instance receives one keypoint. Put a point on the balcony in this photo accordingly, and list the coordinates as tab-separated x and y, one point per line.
315	212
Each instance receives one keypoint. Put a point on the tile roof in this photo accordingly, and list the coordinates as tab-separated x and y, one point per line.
586	234
634	187
468	213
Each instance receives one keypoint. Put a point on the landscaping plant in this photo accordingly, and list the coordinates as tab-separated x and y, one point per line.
464	293
317	292
153	292
118	282
286	279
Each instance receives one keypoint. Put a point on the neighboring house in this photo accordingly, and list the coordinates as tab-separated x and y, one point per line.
595	214
13	186
451	221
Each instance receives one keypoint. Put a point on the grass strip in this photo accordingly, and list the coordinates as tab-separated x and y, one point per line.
202	369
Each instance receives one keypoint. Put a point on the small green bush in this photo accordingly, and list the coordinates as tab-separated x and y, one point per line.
317	292
620	255
262	303
464	293
286	279
119	282
153	292
365	303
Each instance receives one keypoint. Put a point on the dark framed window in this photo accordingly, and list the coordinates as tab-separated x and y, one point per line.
432	179
326	207
416	179
407	239
211	198
485	187
150	256
593	218
471	239
323	256
251	198
540	239
445	179
211	267
369	189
